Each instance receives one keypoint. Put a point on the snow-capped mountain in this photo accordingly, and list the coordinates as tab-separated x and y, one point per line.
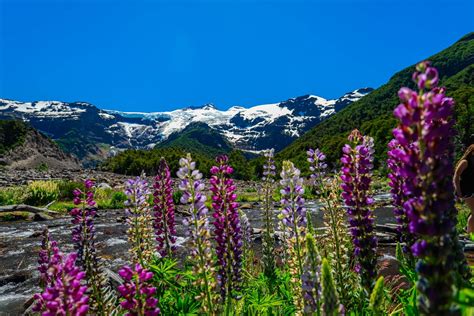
256	128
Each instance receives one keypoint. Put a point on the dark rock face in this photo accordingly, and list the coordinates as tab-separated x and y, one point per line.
38	151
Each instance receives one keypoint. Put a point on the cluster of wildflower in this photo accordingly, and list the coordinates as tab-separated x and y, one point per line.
63	293
140	232
191	185
317	167
425	134
84	238
227	230
137	293
356	177
294	218
268	241
164	211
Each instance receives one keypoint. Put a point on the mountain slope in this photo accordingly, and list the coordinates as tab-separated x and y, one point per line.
372	114
92	134
23	147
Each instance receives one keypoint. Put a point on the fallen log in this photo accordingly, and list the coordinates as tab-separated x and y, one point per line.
25	208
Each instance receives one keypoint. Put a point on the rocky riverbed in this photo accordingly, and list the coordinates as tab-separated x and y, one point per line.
20	242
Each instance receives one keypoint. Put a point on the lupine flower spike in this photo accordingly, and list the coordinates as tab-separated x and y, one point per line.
49	256
330	300
356	177
425	135
311	277
227	231
268	241
294	217
83	236
317	167
164	211
137	293
140	231
396	183
191	185
64	294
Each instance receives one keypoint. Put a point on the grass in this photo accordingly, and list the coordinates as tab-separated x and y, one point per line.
463	214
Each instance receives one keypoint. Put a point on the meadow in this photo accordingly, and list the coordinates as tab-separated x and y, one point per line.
305	272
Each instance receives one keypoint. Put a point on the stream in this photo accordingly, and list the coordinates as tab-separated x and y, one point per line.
20	242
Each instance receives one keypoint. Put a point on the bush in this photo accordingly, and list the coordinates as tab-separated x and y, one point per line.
42	192
12	195
66	187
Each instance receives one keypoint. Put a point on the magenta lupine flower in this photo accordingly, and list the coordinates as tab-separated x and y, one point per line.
164	211
425	135
227	230
396	184
137	292
64	295
191	185
356	177
49	256
317	166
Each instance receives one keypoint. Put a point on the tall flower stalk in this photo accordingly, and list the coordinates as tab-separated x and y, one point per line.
63	294
317	167
137	292
268	241
397	182
191	185
337	246
425	135
164	211
140	232
330	301
311	277
356	177
49	256
83	236
227	231
294	218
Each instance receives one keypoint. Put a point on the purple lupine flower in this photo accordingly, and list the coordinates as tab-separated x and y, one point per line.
191	185
140	232
294	218
268	241
310	279
83	233
49	256
425	135
164	211
137	292
64	295
356	177
227	230
84	239
396	184
317	166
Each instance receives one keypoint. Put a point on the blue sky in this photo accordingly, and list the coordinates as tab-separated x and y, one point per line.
162	55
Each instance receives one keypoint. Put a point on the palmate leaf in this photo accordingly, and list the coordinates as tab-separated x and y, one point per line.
263	305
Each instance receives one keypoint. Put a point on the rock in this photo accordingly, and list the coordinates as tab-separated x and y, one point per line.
103	185
16	277
389	268
36	234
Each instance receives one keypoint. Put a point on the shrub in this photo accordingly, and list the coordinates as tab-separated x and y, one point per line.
42	192
12	195
66	187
